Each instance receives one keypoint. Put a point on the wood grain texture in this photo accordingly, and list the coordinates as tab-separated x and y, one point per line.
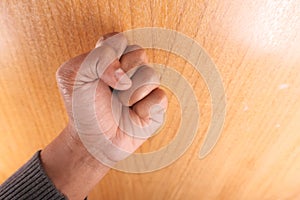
255	45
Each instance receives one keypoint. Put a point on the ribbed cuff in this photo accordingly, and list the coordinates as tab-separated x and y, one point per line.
30	182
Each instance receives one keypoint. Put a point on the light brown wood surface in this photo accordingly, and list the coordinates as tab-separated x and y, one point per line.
256	47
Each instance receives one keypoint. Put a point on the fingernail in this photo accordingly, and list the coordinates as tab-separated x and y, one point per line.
122	77
99	42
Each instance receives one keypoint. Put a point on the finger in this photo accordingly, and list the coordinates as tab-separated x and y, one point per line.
115	40
144	118
133	131
133	57
144	81
102	62
155	102
115	77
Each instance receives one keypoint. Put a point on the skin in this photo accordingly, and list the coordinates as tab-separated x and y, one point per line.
66	160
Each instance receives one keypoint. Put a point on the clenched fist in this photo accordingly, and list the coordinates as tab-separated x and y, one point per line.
112	98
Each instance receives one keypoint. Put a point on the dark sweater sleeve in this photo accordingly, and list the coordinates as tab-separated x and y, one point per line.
30	182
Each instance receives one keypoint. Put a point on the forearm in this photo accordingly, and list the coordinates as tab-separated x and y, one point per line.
71	168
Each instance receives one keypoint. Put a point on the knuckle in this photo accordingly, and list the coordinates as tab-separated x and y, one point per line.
136	52
131	48
142	54
117	41
139	57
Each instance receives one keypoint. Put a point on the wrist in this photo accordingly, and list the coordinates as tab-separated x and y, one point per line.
70	166
79	152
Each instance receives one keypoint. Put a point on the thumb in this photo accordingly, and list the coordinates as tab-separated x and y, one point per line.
102	63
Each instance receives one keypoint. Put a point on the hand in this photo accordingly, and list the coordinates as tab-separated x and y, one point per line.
105	125
112	125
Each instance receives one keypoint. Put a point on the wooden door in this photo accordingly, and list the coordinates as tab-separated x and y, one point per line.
255	46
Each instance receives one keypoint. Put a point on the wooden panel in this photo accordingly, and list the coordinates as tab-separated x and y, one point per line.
255	45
